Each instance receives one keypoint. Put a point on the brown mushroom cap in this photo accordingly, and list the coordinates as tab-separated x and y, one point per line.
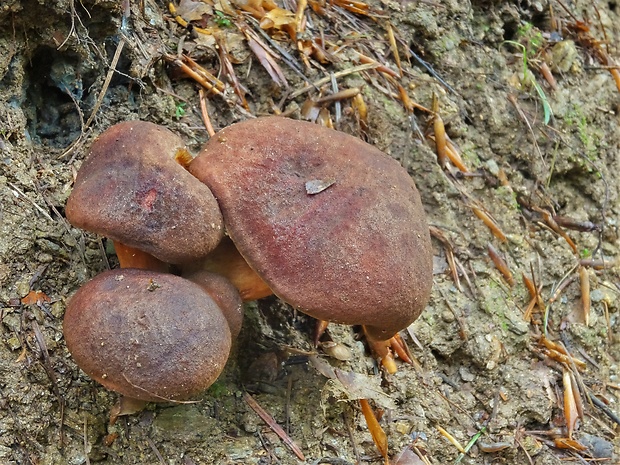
131	189
334	226
225	295
147	335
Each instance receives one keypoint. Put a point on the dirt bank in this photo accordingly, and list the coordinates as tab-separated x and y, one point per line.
480	364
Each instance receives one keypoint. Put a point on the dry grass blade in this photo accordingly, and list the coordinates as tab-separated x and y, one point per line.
403	96
549	221
47	363
563	358
452	439
320	82
265	57
501	265
106	83
353	6
393	47
299	15
453	154
204	112
530	286
489	222
341	95
401	349
197	73
219	85
568	443
527	315
361	110
535	297
512	99
380	67
584	282
273	425
440	141
449	250
378	435
230	72
382	351
570	409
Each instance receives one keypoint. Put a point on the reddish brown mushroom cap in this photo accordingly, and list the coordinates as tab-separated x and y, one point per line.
225	295
131	189
147	335
333	225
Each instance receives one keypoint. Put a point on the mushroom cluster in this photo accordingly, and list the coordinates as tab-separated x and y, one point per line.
326	222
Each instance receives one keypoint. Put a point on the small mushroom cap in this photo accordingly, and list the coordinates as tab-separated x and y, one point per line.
334	226
131	189
225	295
148	335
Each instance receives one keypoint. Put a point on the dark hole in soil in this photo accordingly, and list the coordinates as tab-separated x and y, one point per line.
55	87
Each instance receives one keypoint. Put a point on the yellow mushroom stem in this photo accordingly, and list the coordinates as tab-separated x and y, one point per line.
226	261
384	351
130	257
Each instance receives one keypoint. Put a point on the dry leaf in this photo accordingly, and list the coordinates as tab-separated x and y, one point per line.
267	60
317	186
35	297
191	10
277	19
255	7
378	435
354	386
567	443
570	407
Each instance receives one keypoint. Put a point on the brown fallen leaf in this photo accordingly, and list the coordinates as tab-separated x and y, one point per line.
265	57
35	297
191	10
353	386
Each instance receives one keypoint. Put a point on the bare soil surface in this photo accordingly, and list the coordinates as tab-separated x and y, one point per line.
480	364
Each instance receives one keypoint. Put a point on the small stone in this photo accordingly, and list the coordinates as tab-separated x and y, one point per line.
563	55
466	375
403	427
447	316
599	447
23	288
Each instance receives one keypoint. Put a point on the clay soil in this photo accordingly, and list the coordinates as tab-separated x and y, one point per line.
479	363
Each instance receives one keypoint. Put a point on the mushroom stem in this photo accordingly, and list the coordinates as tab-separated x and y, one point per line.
126	405
226	261
130	257
319	330
384	350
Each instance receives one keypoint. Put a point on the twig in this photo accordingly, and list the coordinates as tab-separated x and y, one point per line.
273	425
606	410
205	113
34	204
432	72
356	451
339	74
86	445
106	83
155	451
